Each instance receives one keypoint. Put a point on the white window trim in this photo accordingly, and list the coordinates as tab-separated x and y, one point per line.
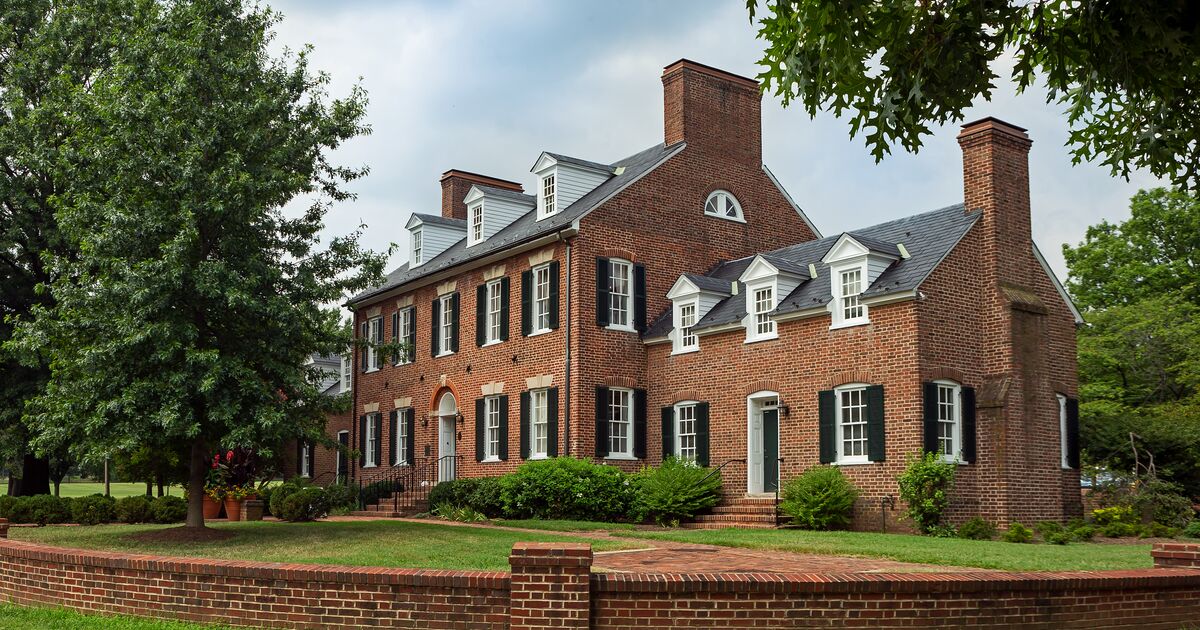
373	324
752	334
417	248
630	421
677	317
401	442
305	449
1062	431
369	441
492	318
956	456
628	265
405	319
843	460
547	209
347	377
473	212
723	195
678	441
838	317
445	326
491	406
544	394
536	283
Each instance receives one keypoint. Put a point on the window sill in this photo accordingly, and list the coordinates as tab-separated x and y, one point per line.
762	338
731	219
402	363
539	456
621	458
400	465
442	354
849	324
620	328
854	462
370	370
369	466
493	342
490	460
540	332
685	351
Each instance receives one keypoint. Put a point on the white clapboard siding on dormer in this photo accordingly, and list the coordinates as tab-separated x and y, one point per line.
572	183
436	239
876	265
499	212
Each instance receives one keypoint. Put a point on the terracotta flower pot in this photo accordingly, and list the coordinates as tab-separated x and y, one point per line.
212	507
233	509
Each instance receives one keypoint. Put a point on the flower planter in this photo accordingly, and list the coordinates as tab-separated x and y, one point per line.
233	509
212	507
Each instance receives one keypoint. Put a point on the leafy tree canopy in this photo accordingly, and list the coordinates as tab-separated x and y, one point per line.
1127	73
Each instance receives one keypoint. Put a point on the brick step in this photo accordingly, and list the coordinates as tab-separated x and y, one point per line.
768	519
744	509
380	514
727	526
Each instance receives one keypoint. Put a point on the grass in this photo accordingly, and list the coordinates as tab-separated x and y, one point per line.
564	525
21	618
118	490
359	543
940	551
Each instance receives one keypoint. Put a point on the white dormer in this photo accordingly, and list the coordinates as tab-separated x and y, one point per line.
430	235
854	264
490	209
562	180
767	282
692	297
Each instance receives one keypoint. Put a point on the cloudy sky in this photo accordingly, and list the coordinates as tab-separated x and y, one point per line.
485	86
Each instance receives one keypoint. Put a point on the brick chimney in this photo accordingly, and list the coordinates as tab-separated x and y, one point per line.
996	182
713	111
456	184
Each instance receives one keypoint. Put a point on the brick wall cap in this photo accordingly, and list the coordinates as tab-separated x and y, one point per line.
718	73
991	123
481	179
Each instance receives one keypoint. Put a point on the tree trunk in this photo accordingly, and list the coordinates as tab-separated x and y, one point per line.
57	484
197	473
35	477
158	480
149	490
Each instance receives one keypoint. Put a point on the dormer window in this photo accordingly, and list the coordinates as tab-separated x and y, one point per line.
764	303
722	204
548	195
416	248
855	263
685	319
852	308
475	219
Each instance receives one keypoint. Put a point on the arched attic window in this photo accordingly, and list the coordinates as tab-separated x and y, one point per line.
722	204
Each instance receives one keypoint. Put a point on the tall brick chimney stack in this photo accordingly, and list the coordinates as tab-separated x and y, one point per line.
713	111
996	182
456	184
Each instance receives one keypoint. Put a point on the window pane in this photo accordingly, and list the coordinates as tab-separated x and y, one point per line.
686	415
493	311
492	439
447	324
687	319
764	303
541	298
548	193
619	292
538	417
947	420
851	288
621	414
853	418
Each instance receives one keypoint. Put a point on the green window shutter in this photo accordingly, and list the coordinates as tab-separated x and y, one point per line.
552	422
639	423
394	429
602	292
411	435
526	303
479	424
526	434
454	310
702	434
434	343
1073	432
362	440
968	424
601	421
503	427
930	414
481	315
554	295
827	421
412	334
668	432
876	436
362	350
639	298
504	309
379	440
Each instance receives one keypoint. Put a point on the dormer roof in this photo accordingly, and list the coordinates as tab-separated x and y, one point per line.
434	219
548	159
689	284
850	245
479	191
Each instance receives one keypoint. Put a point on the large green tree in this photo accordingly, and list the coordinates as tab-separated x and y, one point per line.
194	301
1126	73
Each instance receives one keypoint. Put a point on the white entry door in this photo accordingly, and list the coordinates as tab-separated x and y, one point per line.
446	469
754	462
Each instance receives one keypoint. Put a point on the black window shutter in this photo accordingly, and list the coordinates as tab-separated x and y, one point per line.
702	433
639	423
602	291
968	425
526	303
412	333
876	437
526	434
312	459
410	435
601	421
1073	432
554	295
362	350
299	457
379	342
552	422
378	439
454	323
639	298
362	440
395	335
827	421
504	309
668	432
479	433
394	428
930	441
503	427
436	316
481	315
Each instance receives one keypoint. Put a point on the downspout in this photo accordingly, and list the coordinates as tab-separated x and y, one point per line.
567	378
352	463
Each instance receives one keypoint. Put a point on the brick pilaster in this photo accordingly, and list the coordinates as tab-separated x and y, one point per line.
1176	556
550	585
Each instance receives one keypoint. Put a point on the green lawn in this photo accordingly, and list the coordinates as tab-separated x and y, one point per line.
118	490
905	548
564	526
360	543
20	618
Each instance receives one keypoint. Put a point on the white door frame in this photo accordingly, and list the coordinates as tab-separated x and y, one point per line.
447	416
754	439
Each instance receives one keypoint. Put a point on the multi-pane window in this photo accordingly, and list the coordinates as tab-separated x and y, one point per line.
416	247
494	304
685	419
539	419
687	319
764	303
491	411
347	371
305	455
541	298
620	422
476	212
722	204
369	435
401	456
446	325
548	194
851	281
948	415
374	336
404	326
620	292
852	424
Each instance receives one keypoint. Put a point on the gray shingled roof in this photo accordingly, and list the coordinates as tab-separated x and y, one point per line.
492	191
876	245
527	228
437	219
928	237
566	159
712	285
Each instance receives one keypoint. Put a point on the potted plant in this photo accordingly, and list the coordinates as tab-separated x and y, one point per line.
240	468
214	489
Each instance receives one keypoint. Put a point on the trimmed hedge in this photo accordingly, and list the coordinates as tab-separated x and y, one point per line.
168	509
567	488
480	494
93	510
135	509
307	504
675	491
822	497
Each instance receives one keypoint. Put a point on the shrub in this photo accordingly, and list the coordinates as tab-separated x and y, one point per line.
1018	533
481	494
1117	529
820	498
1082	533
1163	503
675	491
307	504
6	503
1117	514
135	509
264	495
567	488
461	513
1047	528
41	509
925	486
168	509
977	529
93	510
283	491
375	491
341	496
1192	530
942	530
1157	530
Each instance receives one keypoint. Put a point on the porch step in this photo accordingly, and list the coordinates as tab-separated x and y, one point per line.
700	525
750	519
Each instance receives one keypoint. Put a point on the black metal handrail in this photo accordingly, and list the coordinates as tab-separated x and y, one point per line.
407	485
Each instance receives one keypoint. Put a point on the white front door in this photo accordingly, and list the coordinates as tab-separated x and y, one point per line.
762	450
754	462
446	448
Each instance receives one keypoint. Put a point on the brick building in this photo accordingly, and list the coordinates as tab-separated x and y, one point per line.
678	301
